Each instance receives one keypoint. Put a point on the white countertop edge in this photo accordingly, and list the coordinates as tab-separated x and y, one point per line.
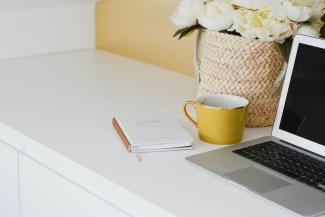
89	181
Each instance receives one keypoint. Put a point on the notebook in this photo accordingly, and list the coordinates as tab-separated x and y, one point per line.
154	133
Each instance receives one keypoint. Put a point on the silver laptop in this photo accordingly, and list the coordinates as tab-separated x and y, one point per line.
288	167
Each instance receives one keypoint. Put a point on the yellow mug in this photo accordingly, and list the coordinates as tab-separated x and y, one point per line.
221	118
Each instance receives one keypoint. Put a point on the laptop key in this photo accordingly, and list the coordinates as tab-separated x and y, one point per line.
287	161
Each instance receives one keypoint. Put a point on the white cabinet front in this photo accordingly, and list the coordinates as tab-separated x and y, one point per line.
47	194
9	193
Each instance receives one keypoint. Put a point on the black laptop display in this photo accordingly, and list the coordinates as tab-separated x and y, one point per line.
304	110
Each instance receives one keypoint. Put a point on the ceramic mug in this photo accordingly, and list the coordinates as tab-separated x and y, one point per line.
221	118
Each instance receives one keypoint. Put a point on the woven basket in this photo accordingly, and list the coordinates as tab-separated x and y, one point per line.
235	65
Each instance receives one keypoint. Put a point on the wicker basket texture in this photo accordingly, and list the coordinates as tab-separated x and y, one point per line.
235	65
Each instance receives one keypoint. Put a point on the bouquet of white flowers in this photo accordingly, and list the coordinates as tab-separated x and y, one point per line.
267	20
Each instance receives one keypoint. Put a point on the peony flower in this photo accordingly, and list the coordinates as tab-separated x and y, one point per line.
307	30
250	4
274	5
277	9
217	15
187	12
262	24
303	10
312	28
319	10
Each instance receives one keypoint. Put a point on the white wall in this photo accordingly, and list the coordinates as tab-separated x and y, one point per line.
35	27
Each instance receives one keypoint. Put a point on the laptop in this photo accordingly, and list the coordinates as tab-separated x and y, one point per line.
287	167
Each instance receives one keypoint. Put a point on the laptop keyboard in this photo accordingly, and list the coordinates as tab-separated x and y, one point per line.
292	163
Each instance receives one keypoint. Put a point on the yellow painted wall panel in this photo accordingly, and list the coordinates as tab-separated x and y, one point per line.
141	29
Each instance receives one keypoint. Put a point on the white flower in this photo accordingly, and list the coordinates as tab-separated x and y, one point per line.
262	24
303	10
187	12
313	28
277	8
319	10
274	5
250	4
307	30
217	15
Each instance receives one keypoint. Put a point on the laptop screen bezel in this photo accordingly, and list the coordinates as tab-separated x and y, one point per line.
276	131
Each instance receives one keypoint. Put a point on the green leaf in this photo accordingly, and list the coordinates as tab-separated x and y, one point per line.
178	32
186	31
231	32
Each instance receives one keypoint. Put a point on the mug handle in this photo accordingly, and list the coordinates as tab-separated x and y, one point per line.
193	103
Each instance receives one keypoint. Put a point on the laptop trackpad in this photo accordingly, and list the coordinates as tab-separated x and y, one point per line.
257	179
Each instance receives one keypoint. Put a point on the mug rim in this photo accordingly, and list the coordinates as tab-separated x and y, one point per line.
219	108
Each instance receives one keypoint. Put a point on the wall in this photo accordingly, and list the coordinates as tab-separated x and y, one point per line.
34	27
141	29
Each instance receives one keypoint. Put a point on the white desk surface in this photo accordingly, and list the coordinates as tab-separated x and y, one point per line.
66	103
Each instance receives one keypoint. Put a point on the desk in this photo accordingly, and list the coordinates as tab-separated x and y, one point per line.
56	110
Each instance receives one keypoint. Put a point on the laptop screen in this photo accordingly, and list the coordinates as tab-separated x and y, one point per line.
304	110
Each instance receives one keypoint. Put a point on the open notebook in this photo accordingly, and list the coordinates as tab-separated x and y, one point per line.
155	133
